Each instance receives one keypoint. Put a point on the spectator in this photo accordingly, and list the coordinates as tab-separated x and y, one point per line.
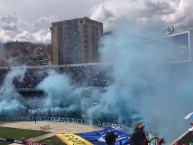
139	135
160	141
110	138
34	117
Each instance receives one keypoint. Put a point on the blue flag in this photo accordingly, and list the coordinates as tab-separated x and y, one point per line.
98	137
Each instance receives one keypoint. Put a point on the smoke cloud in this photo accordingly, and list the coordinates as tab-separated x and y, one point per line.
146	83
60	92
10	98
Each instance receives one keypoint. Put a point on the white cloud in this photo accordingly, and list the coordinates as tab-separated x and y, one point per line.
4	37
13	28
42	36
32	19
182	18
31	10
43	22
175	12
8	22
23	36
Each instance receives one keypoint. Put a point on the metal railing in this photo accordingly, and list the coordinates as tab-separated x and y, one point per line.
154	140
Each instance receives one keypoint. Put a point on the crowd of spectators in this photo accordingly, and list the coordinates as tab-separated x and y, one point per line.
3	73
80	75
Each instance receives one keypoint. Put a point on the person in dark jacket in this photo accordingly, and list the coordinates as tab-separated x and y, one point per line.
139	136
110	138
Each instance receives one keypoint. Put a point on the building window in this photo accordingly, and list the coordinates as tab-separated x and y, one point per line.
85	41
85	35
85	45
85	31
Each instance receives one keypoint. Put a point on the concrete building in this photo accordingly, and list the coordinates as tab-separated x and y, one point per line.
75	41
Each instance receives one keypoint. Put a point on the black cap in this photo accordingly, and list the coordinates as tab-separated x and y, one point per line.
110	137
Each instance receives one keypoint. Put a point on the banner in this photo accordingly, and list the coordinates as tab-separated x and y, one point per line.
72	139
93	122
94	137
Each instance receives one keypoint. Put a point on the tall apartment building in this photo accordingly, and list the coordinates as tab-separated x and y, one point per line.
75	41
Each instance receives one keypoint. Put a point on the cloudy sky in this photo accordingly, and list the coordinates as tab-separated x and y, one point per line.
27	20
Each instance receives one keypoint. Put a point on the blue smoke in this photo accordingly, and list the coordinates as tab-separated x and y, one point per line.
9	97
146	83
59	92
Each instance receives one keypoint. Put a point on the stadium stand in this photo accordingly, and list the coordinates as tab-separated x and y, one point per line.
87	75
